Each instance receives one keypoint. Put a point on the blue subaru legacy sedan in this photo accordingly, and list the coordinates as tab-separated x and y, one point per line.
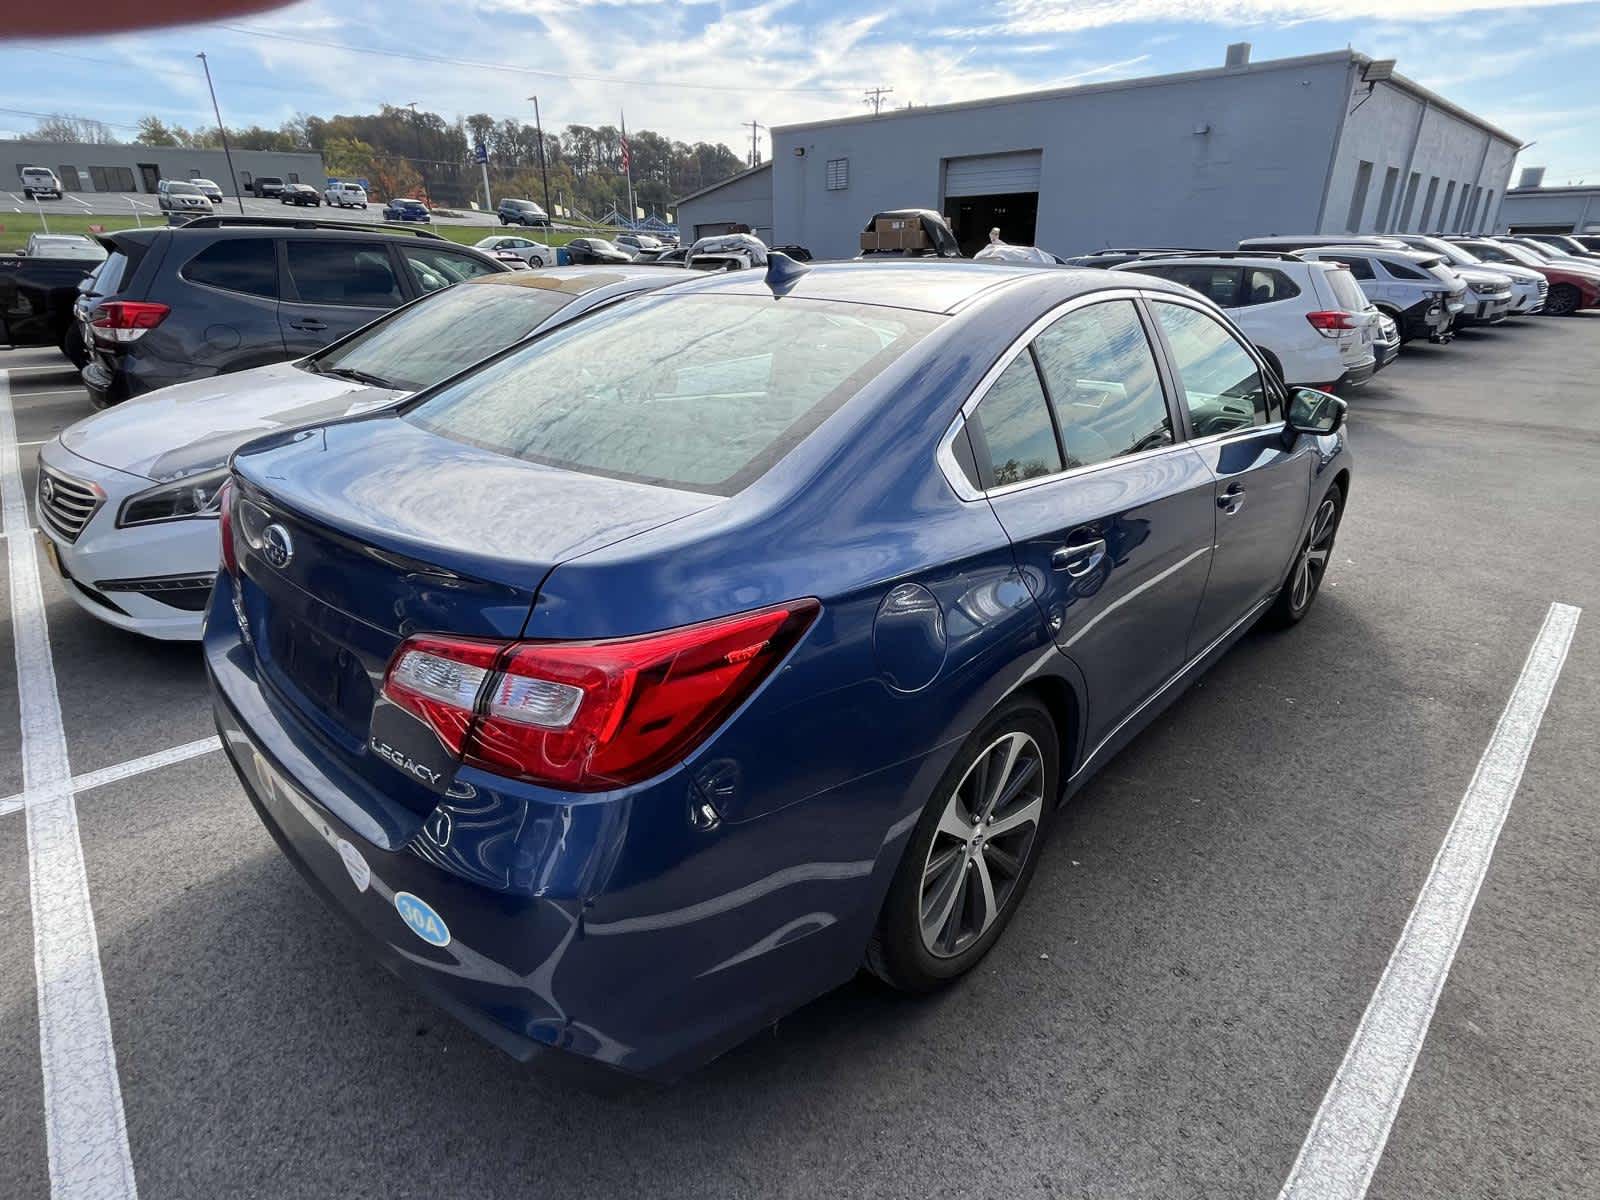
625	702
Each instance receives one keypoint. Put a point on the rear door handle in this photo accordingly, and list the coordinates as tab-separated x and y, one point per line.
1079	558
310	325
1232	498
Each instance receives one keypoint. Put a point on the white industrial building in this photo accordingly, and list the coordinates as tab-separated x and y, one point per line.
1531	207
1334	143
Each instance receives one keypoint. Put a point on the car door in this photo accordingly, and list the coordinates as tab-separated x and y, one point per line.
236	281
331	288
1111	516
1262	475
434	267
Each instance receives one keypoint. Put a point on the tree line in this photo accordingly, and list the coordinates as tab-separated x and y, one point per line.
402	152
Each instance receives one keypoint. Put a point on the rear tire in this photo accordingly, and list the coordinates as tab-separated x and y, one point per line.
972	853
72	346
1300	589
1562	301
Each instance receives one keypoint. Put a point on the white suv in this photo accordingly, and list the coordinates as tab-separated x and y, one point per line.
1309	320
345	195
1422	294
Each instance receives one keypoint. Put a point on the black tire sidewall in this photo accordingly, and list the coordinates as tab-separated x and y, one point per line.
1564	290
1283	612
899	955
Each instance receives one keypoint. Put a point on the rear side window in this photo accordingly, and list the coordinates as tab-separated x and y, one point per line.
434	269
1102	380
1401	271
346	273
248	265
1361	268
713	390
1222	385
1012	437
1220	285
1264	285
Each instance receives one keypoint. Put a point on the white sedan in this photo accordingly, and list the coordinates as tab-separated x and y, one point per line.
535	254
127	498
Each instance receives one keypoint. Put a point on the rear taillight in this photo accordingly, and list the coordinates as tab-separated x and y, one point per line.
127	320
587	716
1331	323
230	555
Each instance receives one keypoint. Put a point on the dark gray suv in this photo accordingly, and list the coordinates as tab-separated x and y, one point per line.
222	294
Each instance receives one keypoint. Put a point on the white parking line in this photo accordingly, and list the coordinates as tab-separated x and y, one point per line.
1347	1138
124	770
86	1136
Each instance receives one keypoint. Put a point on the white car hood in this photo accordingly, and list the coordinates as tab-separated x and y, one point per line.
191	427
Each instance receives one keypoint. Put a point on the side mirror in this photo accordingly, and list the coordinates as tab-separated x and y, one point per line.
1314	412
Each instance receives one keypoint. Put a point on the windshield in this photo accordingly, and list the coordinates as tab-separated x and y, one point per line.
183	189
713	390
446	333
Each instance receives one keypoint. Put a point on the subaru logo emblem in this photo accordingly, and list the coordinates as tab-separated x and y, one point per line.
276	547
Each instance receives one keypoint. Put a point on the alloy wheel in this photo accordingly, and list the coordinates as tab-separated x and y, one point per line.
1562	300
983	841
1313	561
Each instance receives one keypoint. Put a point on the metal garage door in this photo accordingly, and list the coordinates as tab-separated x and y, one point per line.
992	174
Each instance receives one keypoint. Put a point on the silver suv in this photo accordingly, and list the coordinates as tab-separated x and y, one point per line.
1528	287
179	198
1418	291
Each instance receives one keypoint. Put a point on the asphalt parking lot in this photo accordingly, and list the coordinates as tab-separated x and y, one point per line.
1162	1019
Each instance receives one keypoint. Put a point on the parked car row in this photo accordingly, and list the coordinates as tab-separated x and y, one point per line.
529	636
1336	327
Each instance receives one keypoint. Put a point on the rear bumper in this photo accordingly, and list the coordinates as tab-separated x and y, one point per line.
605	927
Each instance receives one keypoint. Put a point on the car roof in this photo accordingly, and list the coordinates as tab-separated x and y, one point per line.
929	284
575	281
1235	258
1410	253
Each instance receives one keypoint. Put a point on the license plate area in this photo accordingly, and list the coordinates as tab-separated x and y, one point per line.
325	673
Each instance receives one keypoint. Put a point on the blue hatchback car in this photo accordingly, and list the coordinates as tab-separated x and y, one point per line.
625	702
407	210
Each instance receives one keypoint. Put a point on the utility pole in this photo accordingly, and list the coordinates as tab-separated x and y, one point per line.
543	173
755	150
223	130
416	128
874	97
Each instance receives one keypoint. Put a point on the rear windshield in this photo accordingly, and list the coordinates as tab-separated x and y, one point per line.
448	332
712	390
1346	291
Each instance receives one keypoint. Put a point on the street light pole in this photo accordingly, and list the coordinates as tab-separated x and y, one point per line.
223	130
543	173
416	128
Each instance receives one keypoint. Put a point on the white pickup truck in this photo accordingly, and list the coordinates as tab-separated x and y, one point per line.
40	181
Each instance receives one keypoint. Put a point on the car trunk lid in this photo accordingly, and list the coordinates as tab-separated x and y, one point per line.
382	530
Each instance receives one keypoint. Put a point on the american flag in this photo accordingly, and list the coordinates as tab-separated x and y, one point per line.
627	155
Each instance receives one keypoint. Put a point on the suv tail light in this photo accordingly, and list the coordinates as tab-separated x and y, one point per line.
592	715
127	320
1332	322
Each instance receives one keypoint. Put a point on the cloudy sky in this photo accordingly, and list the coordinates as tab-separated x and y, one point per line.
697	70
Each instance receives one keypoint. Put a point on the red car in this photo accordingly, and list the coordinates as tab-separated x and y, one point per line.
1572	285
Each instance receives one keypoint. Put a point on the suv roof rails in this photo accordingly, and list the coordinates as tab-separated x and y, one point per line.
1290	255
216	222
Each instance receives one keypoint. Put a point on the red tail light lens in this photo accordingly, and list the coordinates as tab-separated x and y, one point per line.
127	320
230	556
1330	323
587	716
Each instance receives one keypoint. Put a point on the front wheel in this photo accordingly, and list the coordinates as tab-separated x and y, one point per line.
1562	301
1310	564
972	853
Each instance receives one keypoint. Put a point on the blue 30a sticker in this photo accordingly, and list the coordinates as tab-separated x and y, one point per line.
424	922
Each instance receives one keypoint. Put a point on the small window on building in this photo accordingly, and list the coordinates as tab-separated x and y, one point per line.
97	176
1427	205
1444	209
69	178
838	174
1461	210
1486	221
1410	204
1472	210
1391	179
293	178
1358	197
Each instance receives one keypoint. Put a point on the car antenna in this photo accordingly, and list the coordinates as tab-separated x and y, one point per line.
783	273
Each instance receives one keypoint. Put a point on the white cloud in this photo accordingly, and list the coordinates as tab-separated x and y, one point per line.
1030	18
